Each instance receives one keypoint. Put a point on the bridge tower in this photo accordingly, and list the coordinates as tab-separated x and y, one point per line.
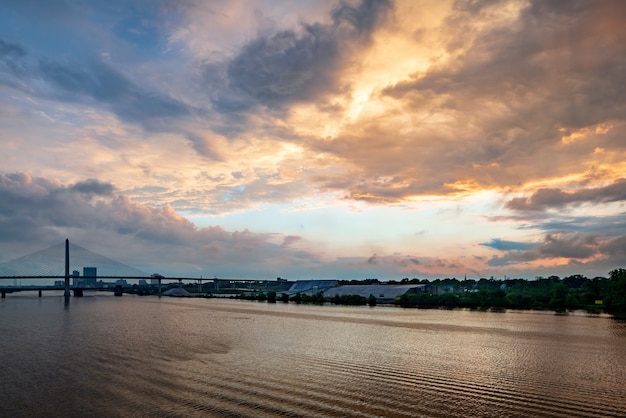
67	268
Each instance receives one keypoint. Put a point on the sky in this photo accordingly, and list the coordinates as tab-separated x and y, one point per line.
317	138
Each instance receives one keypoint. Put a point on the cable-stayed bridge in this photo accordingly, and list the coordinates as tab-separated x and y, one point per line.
84	269
50	263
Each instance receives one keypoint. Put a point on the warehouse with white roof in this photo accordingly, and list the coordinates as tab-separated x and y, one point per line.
384	293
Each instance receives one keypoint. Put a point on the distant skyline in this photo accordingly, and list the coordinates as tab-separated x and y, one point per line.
317	139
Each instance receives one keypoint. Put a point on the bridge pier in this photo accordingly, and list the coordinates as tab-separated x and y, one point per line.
119	290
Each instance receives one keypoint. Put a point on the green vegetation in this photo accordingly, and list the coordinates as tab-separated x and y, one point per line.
616	295
317	298
560	295
271	297
570	293
354	300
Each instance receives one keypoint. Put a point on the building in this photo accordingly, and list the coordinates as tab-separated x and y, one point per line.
89	276
311	287
384	293
75	278
154	278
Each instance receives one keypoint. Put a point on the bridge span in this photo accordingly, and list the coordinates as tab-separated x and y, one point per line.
156	281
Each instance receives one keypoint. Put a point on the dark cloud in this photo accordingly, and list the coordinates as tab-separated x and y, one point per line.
285	66
11	62
237	175
93	187
606	225
554	222
105	85
592	243
568	245
502	245
554	198
555	245
550	42
204	147
92	82
363	18
615	248
290	240
75	56
10	50
504	92
289	66
36	210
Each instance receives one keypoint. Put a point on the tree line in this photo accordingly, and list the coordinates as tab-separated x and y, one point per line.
572	292
559	294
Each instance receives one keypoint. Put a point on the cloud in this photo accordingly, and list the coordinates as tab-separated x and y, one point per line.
37	210
68	59
568	245
209	109
397	266
10	51
291	66
290	240
105	85
88	81
554	198
284	67
490	111
11	63
45	212
503	245
583	243
204	147
615	248
93	187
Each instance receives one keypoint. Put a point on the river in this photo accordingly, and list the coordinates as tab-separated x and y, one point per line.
136	356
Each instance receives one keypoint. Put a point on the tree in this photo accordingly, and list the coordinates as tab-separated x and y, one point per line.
372	300
271	297
559	297
575	282
337	299
615	301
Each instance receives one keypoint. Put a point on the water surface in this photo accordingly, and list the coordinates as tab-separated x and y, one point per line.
143	356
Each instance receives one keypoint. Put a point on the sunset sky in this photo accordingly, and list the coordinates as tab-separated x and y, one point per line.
317	139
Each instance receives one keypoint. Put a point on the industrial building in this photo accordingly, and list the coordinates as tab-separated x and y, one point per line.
311	287
384	293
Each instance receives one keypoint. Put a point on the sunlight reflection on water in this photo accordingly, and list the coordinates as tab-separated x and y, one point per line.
134	356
